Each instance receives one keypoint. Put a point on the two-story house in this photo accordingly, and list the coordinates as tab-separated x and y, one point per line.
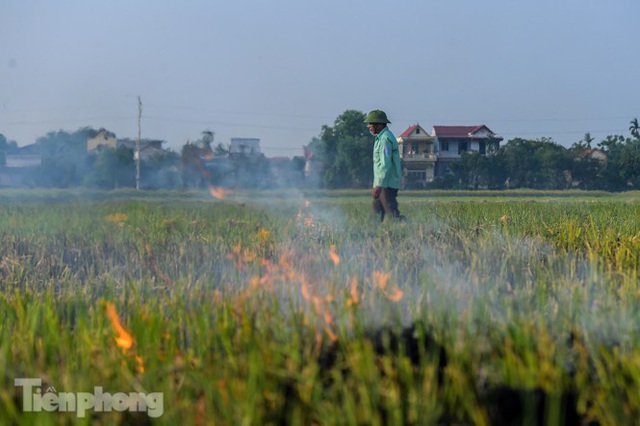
426	156
453	141
102	138
106	139
418	152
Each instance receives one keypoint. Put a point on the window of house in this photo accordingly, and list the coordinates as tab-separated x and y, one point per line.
417	130
483	147
418	176
462	146
444	145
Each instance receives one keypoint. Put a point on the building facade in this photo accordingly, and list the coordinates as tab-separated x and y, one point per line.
428	155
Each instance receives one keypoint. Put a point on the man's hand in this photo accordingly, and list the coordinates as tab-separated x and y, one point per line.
376	191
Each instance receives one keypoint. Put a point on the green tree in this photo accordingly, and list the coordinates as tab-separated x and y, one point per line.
586	171
623	162
584	143
112	168
191	166
161	171
345	151
192	158
536	164
207	139
221	150
634	128
472	171
65	161
613	175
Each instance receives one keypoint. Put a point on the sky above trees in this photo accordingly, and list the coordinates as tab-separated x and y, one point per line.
280	70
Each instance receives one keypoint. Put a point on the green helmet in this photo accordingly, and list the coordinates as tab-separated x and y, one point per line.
376	116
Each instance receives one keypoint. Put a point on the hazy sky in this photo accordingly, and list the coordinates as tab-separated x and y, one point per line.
279	70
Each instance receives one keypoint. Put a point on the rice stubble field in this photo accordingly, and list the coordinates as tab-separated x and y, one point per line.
295	308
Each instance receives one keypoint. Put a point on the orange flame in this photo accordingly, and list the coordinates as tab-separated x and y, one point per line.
263	235
241	256
353	299
333	255
331	334
117	218
287	269
124	339
139	364
380	279
395	296
218	193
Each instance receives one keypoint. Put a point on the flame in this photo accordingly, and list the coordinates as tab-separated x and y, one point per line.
263	235
353	299
139	364
333	255
288	268
218	193
241	256
124	339
381	279
395	296
331	334
118	218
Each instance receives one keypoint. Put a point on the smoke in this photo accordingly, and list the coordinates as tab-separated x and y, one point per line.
479	280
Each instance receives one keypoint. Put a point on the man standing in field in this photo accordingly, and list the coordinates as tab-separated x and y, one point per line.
386	166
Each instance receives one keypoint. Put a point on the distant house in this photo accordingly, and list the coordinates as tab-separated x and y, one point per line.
426	156
417	150
452	141
244	165
102	139
26	156
20	167
148	147
591	154
106	139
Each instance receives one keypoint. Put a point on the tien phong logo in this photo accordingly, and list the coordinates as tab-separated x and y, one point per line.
35	400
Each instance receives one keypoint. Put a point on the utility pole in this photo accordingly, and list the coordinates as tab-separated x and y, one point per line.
136	154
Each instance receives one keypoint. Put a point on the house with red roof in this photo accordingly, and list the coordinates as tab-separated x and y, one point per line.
418	153
426	156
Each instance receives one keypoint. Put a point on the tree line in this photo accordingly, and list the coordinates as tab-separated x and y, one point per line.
65	163
342	155
345	152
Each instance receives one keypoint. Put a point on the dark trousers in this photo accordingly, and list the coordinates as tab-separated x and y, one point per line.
386	204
